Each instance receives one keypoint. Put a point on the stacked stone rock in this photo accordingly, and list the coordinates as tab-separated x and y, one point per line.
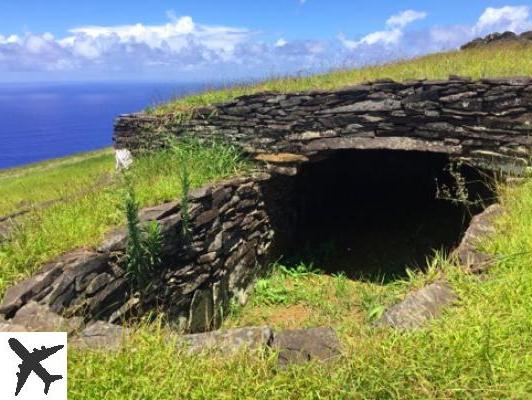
486	122
499	38
230	235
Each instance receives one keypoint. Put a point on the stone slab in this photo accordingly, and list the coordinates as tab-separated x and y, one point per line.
36	317
481	227
230	341
419	306
298	346
101	336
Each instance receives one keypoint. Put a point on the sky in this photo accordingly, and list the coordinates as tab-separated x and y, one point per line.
227	40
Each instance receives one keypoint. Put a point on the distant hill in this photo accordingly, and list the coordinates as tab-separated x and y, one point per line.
499	38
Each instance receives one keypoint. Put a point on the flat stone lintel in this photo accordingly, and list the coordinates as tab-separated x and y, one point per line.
385	143
281	158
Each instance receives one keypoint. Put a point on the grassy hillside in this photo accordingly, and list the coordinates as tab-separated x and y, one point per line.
40	183
481	349
88	199
73	201
486	62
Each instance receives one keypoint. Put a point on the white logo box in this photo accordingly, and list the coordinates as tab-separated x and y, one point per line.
34	347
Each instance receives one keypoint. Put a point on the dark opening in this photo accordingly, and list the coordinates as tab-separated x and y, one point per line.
372	214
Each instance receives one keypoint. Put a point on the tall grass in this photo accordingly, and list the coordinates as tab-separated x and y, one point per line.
83	220
491	61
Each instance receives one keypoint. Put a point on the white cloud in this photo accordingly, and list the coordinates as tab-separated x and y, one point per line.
395	41
179	45
281	42
11	39
391	35
175	34
380	37
48	36
385	37
508	18
36	44
405	18
183	46
85	48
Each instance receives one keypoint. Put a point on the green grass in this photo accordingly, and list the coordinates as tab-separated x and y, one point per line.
29	186
53	163
85	216
480	349
492	61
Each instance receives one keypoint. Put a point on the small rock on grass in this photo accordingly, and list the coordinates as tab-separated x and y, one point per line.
298	346
419	306
100	336
36	317
9	327
231	340
481	226
295	346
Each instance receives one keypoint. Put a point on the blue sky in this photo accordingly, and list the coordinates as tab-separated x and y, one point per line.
224	40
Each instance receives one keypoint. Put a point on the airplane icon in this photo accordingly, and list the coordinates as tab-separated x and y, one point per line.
32	362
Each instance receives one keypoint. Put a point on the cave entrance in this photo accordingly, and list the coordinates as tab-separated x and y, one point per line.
372	214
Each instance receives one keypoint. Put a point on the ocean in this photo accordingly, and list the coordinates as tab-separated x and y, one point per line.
43	121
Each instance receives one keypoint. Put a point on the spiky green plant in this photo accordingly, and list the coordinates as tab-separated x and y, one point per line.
184	177
134	250
144	244
152	244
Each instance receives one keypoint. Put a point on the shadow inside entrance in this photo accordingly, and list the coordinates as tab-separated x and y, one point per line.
373	214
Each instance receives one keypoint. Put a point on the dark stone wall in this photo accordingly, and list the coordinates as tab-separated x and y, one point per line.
486	122
225	252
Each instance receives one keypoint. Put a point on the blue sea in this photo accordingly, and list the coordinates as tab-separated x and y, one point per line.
43	121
